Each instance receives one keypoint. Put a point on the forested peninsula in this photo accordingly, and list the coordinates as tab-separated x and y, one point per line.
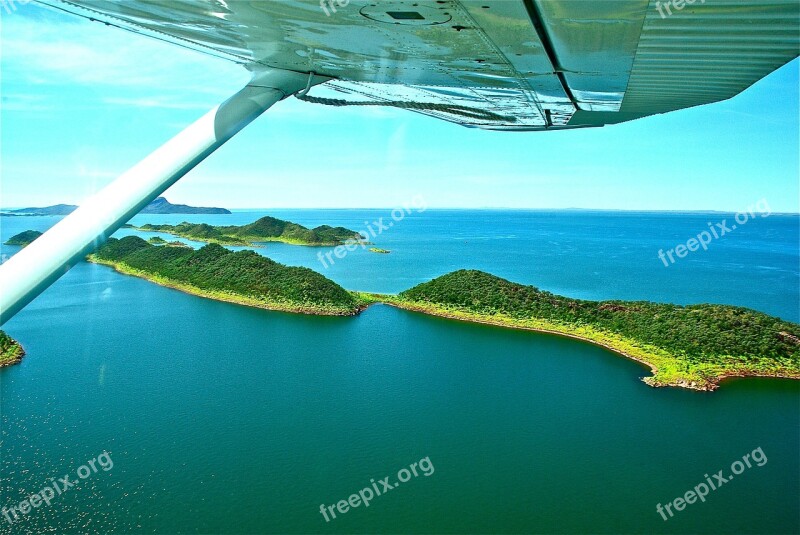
692	346
243	277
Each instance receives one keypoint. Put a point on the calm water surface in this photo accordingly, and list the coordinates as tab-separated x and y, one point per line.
225	419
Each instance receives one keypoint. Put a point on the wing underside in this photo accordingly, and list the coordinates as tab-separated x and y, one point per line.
497	64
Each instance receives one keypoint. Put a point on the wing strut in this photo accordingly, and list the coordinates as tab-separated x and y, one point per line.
29	272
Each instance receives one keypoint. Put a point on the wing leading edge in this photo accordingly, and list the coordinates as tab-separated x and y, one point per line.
496	64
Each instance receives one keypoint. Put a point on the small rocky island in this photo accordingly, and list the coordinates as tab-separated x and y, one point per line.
10	350
23	238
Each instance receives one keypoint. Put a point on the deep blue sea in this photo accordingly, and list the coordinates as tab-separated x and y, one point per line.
226	419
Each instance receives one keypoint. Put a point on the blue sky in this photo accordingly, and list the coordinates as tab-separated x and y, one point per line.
82	102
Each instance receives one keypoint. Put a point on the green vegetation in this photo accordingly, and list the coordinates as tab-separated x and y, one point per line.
264	230
157	240
379	250
10	350
691	346
177	243
243	277
197	232
24	238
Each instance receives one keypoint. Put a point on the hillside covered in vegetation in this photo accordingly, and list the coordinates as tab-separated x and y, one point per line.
10	350
692	346
263	230
23	238
243	277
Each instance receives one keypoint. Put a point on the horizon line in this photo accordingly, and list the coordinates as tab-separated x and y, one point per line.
516	209
456	208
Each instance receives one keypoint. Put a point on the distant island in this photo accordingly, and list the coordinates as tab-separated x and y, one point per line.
157	240
56	209
10	350
266	229
163	206
23	238
379	250
158	206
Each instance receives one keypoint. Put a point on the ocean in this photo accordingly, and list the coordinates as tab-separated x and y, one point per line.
226	419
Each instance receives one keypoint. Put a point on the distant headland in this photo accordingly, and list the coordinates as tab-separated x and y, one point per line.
158	206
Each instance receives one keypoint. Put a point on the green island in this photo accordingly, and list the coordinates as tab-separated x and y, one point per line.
23	238
158	240
693	346
10	350
379	250
243	277
266	229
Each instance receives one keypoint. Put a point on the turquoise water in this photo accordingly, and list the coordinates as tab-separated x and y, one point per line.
225	419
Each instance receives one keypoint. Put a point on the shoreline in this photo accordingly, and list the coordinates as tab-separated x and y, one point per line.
645	358
232	298
663	366
12	355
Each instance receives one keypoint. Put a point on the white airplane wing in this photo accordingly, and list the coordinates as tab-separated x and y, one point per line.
498	64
